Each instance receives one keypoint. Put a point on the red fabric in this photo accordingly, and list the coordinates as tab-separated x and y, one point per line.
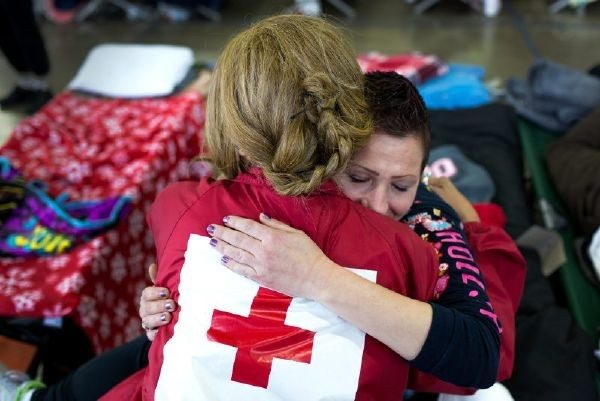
503	269
344	230
262	324
491	214
129	389
93	149
417	67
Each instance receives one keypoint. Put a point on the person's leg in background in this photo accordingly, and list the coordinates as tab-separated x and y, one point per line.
23	45
90	381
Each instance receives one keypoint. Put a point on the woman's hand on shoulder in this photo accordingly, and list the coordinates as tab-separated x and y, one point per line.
155	306
273	254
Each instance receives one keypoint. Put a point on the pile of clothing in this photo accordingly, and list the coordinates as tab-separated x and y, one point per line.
442	86
35	224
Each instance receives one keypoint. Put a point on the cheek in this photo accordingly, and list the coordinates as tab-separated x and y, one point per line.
350	189
401	203
401	206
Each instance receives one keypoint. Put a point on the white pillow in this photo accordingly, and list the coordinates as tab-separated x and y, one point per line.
133	70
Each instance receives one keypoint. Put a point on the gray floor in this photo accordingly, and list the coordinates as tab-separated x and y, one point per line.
450	30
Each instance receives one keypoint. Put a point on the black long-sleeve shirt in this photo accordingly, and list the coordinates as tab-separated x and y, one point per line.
465	331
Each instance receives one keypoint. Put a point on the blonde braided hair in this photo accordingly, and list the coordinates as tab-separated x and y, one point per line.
287	96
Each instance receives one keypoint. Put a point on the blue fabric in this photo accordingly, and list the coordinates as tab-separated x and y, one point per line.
469	177
461	87
554	96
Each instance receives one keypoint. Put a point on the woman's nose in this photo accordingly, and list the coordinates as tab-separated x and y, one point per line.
377	200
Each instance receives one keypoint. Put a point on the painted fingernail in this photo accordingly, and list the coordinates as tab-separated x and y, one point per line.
226	219
163	317
169	307
210	229
213	242
225	259
266	216
162	293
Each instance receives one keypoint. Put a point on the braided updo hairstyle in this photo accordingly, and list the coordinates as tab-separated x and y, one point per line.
287	96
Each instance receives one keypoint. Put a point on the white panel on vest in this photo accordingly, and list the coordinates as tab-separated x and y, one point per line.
199	364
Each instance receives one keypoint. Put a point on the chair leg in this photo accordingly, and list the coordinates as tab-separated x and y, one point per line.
87	10
212	15
424	5
344	8
557	6
134	11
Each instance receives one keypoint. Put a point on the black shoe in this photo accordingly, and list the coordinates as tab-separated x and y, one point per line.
37	101
18	97
31	99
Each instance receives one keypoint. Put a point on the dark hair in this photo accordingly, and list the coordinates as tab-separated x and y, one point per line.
397	107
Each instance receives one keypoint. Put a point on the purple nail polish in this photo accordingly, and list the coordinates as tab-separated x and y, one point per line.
163	317
213	242
169	307
226	219
162	293
210	229
225	259
266	216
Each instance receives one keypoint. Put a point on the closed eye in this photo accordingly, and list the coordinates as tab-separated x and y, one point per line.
355	178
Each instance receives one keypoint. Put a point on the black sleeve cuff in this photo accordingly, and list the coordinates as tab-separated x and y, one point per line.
460	350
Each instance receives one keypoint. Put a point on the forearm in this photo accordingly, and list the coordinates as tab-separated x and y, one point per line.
459	346
451	345
397	321
463	343
459	350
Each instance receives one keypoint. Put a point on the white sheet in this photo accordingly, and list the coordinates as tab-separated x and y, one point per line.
133	70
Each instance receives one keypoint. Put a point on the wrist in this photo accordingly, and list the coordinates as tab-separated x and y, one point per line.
473	218
324	276
469	215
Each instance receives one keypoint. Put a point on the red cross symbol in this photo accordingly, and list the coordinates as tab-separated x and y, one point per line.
260	337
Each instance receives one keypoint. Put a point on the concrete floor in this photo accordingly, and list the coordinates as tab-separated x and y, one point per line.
450	30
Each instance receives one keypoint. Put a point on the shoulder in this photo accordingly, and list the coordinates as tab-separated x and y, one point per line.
183	193
172	204
407	246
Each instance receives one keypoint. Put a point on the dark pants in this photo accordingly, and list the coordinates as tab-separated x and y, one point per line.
93	379
20	38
